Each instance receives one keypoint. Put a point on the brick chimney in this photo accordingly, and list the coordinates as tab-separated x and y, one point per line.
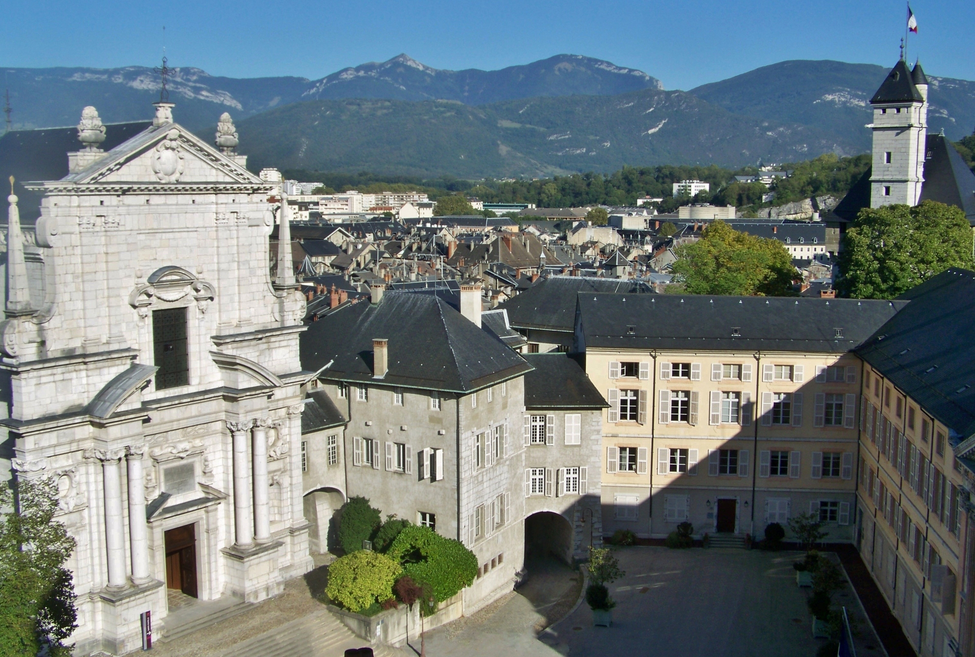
343	296
775	229
470	302
380	357
451	249
827	293
376	293
333	298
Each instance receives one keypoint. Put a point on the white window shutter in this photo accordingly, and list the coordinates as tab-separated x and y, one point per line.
850	410
766	409
695	371
645	371
713	456
695	402
819	413
745	412
814	508
528	429
583	477
742	462
817	465
612	459
409	459
846	467
663	461
715	414
746	372
470	529
549	429
795	464
374	448
764	463
613	397
663	412
438	461
549	482
821	374
488	449
356	450
767	511
768	372
665	370
560	483
641	460
573	428
641	415
507	442
798	373
614	369
797	409
692	462
528	482
851	374
715	371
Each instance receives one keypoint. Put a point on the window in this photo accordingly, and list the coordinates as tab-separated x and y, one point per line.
434	401
925	429
501	510
829	511
911	418
831	464
626	507
779	464
570	482
887	155
399	457
678	460
504	388
675	508
332	449
537	427
629	370
777	510
834	410
876	387
170	348
364	452
728	462
533	347
629	403
479	451
731	371
304	456
537	481
473	400
397	398
730	407
887	397
680	405
781	408
680	370
899	406
782	373
428	519
573	428
490	395
343	391
886	190
497	442
628	458
479	522
939	444
361	393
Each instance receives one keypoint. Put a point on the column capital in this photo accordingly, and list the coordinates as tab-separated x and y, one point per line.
295	409
135	450
261	423
239	427
104	455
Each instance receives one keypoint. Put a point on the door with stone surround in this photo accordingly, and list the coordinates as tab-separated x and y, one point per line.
727	510
181	559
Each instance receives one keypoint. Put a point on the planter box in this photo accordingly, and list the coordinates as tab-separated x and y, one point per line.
804	578
820	629
602	617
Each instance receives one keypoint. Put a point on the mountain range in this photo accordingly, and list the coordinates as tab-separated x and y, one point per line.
563	114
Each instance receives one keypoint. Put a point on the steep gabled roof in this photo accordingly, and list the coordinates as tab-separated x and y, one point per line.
430	345
551	302
558	382
320	412
947	179
897	87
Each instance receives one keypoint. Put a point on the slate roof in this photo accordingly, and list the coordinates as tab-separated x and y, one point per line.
551	302
431	346
496	322
927	349
558	382
640	321
320	248
947	179
917	74
897	87
855	200
320	412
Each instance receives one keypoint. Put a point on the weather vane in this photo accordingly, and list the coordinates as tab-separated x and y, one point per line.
163	72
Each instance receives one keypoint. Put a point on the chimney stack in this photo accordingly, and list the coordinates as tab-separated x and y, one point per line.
380	357
376	293
470	302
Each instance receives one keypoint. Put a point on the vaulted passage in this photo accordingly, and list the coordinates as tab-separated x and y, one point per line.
319	508
548	534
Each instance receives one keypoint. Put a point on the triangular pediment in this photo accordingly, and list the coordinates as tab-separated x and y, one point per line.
167	155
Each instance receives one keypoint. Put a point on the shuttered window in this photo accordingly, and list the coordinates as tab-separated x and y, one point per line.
170	353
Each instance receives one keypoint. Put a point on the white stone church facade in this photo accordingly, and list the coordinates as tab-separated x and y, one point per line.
150	367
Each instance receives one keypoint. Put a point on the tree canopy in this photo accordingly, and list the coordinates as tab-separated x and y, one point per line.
358	521
597	217
889	250
726	261
453	205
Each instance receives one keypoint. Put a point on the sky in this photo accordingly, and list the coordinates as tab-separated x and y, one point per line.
684	44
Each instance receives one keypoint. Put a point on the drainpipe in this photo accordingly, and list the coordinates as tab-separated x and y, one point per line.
651	457
756	421
460	491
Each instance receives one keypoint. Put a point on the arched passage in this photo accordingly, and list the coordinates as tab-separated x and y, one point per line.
548	534
319	507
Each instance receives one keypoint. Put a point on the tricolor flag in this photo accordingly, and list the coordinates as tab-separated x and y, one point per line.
911	21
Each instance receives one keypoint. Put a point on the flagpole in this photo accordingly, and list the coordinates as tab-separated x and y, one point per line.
907	30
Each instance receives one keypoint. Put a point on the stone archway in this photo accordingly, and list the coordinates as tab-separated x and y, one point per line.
320	506
548	534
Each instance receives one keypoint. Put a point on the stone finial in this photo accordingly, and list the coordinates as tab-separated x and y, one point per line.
226	134
164	113
17	287
91	132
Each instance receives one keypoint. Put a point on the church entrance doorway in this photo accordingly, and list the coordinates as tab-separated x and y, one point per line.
181	560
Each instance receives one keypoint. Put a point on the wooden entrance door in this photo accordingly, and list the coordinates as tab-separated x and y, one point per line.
181	559
727	510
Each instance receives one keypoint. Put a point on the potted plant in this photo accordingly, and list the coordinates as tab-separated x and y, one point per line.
827	579
806	568
819	603
597	597
604	568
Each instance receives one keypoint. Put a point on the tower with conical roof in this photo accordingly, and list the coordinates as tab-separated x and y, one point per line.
899	127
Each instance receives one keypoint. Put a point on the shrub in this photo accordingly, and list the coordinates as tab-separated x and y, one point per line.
427	557
807	528
810	563
597	597
361	579
685	529
623	537
603	566
388	532
774	533
357	522
678	542
391	603
828	577
818	604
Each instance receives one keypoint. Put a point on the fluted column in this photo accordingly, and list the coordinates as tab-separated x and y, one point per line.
138	538
114	525
243	527
262	518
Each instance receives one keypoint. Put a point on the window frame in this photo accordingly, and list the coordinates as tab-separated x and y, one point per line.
833	415
676	456
728	462
631	452
632	404
427	519
680	405
778	466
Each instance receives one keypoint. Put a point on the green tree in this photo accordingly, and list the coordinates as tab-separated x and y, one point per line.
358	520
36	593
389	531
443	563
892	249
725	261
452	205
361	579
667	229
604	567
597	217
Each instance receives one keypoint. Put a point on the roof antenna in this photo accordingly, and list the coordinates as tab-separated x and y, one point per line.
7	109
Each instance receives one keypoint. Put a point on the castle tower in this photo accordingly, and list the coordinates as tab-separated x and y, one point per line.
899	132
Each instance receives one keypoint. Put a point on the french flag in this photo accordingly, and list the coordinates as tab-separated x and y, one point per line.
911	21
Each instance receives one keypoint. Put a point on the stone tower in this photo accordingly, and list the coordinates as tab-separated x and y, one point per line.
900	117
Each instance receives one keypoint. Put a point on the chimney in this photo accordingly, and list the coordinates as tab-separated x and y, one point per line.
534	277
827	293
376	292
470	302
656	224
286	267
775	229
451	249
380	357
311	295
343	296
333	298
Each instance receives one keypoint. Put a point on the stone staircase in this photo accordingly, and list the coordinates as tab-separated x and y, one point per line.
727	541
188	620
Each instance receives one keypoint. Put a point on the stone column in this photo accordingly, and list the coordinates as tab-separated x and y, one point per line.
242	485
114	530
262	518
138	538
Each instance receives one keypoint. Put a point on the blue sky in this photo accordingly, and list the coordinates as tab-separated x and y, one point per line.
684	44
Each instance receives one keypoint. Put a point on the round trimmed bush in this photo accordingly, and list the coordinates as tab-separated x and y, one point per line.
361	579
358	520
388	532
443	563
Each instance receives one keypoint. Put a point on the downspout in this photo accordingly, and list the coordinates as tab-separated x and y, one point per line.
756	419
651	457
460	491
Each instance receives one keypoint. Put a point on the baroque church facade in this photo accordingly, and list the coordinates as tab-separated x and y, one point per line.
151	369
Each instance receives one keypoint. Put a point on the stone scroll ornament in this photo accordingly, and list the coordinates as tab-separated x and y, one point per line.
167	160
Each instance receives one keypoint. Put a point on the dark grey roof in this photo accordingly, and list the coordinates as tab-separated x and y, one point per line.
320	248
320	412
558	382
791	232
897	87
927	349
917	74
855	200
947	179
712	322
431	345
551	302
472	220
496	322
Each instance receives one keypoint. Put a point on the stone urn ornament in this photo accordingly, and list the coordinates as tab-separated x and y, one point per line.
91	132
226	134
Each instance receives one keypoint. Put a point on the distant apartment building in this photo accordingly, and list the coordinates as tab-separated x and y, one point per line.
690	187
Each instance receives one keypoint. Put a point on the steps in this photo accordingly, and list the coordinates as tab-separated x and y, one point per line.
727	541
173	629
